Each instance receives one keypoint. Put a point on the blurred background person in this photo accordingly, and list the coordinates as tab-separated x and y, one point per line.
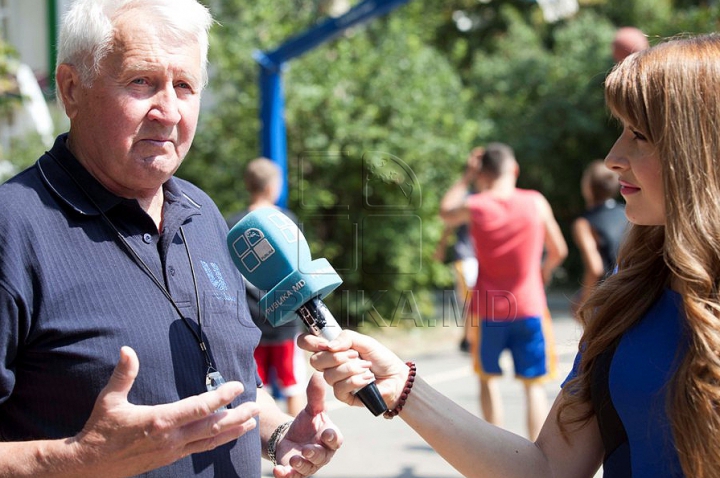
627	41
598	232
281	364
465	270
511	228
460	254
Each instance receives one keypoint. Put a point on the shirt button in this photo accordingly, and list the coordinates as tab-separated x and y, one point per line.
172	270
147	238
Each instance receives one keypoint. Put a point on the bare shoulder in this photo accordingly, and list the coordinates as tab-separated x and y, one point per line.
542	204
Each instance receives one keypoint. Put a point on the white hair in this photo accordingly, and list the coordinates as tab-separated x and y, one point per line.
87	30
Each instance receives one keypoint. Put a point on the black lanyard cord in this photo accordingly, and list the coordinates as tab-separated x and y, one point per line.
198	334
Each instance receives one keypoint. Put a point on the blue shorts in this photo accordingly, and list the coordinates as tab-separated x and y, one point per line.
525	340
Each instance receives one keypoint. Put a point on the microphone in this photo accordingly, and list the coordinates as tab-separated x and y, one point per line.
273	255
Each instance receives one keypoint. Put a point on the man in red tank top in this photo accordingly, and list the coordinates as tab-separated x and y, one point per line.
511	229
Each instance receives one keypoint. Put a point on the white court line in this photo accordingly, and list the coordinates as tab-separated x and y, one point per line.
447	376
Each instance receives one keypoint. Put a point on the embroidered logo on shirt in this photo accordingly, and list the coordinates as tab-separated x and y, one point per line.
216	279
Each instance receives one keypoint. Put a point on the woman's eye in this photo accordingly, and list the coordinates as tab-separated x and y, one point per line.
638	135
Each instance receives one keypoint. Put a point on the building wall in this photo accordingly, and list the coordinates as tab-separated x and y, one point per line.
24	25
27	31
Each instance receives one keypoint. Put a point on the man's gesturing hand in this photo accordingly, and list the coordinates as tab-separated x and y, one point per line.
122	439
312	439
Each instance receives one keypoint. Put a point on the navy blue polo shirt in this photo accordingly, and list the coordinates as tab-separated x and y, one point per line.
71	295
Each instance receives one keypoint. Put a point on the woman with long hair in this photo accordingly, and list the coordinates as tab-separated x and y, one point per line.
643	398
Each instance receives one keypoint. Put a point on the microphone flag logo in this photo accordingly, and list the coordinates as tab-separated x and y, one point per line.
253	248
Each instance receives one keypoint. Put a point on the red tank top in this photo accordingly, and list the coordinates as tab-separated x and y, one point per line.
509	236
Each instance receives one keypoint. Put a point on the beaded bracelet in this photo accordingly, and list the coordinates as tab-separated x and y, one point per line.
274	439
390	414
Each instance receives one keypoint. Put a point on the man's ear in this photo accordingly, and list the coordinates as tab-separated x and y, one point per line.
68	85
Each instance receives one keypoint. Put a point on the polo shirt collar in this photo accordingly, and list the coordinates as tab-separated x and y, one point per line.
72	183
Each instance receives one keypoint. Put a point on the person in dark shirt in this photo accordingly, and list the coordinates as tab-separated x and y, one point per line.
456	248
599	231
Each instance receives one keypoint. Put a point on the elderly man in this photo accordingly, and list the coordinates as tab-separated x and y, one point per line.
104	253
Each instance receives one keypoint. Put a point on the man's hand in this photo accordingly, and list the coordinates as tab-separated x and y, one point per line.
473	164
311	440
122	439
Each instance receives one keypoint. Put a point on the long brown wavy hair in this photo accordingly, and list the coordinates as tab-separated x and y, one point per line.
671	94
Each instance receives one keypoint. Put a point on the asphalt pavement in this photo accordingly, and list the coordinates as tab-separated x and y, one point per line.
379	448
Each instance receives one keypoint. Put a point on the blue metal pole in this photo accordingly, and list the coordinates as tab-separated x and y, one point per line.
273	134
331	28
272	108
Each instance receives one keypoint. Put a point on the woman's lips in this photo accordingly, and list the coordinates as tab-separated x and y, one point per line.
627	188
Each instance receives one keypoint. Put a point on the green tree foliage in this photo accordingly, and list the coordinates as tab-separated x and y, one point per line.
641	13
229	126
548	103
9	90
371	165
381	119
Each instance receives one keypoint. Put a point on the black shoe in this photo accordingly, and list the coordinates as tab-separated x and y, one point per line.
464	345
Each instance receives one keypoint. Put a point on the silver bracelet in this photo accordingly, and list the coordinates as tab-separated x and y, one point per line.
275	438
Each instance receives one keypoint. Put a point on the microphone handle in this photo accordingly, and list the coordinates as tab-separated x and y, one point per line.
320	322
